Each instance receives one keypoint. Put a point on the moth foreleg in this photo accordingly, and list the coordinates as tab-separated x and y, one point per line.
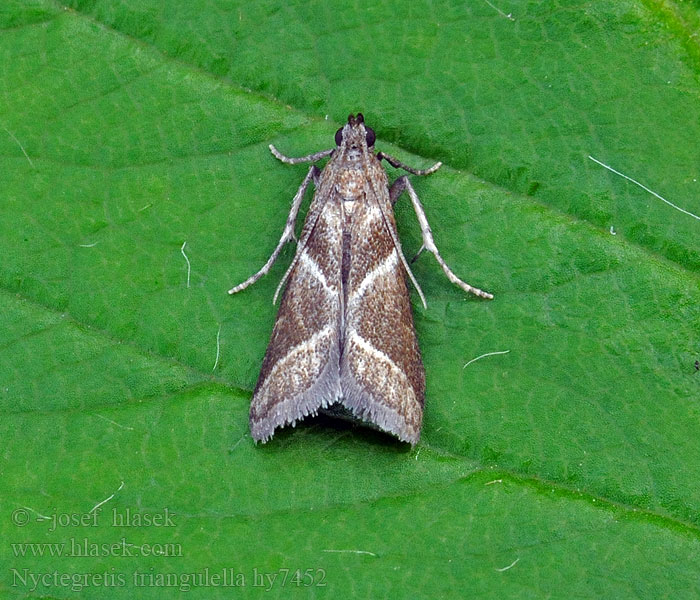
287	234
403	183
301	159
396	163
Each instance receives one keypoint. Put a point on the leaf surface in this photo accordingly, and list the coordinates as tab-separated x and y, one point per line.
133	143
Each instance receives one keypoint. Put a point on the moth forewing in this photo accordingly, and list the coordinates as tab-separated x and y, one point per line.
381	374
344	334
300	371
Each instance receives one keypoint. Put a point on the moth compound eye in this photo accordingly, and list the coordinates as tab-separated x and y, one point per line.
371	137
339	137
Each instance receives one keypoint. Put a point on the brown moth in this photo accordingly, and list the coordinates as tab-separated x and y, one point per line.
344	336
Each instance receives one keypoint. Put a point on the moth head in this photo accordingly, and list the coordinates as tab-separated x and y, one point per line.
355	135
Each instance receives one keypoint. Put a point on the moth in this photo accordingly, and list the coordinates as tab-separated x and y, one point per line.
344	338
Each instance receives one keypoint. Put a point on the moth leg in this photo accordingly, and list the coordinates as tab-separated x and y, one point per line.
395	162
401	184
288	233
394	192
415	258
301	159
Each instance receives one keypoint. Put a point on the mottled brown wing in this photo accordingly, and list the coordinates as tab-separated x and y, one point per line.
300	372
381	373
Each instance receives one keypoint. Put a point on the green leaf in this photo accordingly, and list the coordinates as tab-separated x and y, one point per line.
566	467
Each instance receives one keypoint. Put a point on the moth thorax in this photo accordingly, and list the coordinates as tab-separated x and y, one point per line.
350	186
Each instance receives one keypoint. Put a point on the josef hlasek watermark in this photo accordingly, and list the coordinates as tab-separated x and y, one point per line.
126	517
53	523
